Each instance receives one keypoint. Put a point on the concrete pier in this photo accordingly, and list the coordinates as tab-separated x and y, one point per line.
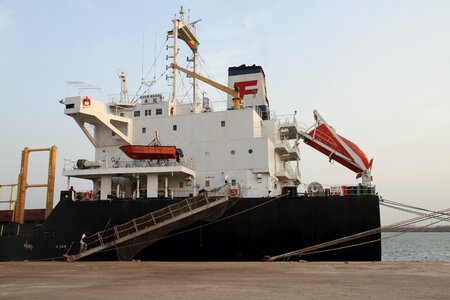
174	280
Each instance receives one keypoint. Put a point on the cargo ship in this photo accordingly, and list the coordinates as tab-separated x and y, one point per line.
196	181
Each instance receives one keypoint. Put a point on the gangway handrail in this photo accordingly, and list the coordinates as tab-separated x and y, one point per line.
153	220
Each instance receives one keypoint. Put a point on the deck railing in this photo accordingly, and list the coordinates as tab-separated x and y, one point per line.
169	212
70	164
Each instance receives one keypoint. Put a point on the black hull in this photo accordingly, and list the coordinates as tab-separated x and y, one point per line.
248	231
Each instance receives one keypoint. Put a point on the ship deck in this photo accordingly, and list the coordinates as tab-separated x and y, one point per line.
128	170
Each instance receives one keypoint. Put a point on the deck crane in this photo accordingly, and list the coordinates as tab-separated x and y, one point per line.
233	92
321	137
324	138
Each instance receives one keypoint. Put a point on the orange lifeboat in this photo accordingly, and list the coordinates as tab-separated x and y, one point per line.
149	152
329	143
325	139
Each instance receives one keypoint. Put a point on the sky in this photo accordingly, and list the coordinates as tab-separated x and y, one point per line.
377	71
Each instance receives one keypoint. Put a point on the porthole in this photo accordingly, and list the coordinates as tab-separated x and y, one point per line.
207	153
233	152
250	151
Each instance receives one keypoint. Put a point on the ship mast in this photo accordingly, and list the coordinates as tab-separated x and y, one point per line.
175	54
194	62
123	88
185	32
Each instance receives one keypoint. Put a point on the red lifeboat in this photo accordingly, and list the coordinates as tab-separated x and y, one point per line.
149	152
335	144
325	139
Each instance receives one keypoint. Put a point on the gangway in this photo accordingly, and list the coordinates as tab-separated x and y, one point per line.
160	221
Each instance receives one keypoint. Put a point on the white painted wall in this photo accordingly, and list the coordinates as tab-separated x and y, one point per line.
242	149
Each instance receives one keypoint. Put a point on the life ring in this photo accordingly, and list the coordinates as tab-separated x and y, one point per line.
86	102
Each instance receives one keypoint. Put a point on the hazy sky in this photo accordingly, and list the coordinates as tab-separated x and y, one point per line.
378	71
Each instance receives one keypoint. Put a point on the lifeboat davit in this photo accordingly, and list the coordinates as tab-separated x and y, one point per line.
139	152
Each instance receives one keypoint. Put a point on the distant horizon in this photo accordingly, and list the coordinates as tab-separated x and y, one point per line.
419	228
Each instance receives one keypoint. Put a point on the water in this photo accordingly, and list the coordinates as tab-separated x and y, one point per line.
416	246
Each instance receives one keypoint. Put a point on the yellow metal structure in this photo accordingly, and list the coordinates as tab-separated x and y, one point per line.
234	93
19	211
11	197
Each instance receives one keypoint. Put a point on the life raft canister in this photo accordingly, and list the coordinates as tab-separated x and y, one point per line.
86	102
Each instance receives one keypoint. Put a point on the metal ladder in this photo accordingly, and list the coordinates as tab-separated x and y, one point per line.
149	222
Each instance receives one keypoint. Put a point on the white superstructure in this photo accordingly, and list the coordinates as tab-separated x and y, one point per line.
250	148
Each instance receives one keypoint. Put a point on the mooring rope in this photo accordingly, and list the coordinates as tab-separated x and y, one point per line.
315	248
412	229
440	216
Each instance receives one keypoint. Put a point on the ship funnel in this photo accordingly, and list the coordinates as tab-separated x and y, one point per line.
251	83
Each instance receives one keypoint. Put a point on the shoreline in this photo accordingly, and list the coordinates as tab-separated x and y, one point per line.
419	229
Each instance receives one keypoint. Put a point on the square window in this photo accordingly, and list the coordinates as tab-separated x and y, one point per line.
222	123
137	113
174	127
206	183
159	111
181	184
233	182
144	130
148	112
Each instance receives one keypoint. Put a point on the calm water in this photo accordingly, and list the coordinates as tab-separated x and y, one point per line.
416	246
